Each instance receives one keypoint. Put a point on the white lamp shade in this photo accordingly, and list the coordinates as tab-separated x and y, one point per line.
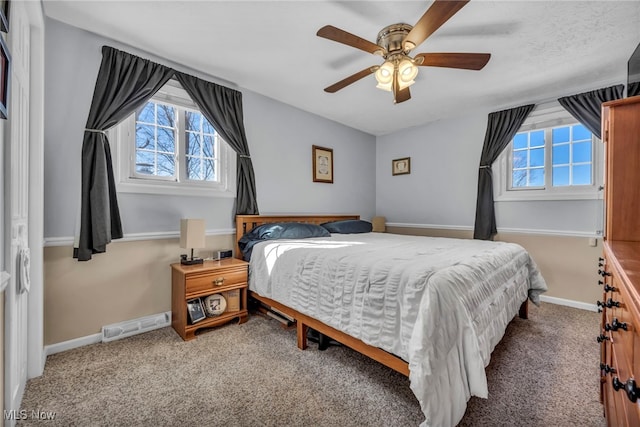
192	233
384	76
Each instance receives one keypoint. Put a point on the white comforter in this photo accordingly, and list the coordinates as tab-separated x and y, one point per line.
440	304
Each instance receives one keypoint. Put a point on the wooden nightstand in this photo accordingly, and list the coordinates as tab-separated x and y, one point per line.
211	277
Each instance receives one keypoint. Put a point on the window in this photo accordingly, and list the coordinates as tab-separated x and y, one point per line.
169	147
552	157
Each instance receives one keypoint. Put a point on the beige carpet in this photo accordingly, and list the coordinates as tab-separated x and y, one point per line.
543	373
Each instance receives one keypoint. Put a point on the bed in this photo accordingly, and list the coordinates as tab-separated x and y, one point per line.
432	309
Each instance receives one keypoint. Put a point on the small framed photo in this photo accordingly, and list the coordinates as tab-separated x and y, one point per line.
401	166
5	67
196	312
322	164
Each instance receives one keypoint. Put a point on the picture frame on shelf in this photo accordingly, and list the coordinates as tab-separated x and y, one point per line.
4	16
5	71
401	166
322	164
196	311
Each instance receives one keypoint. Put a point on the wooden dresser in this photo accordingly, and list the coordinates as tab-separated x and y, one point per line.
620	266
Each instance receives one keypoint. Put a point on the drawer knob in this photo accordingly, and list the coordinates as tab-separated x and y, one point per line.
219	281
629	387
600	282
602	337
600	304
603	273
608	288
607	369
611	303
600	262
615	325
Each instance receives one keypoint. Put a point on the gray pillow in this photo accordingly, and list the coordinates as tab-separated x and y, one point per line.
348	226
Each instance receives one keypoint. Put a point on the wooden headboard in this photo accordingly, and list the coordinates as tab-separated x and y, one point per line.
246	223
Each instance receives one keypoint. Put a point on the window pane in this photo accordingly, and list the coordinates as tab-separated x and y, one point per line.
536	157
582	152
166	115
560	154
520	140
537	138
166	140
147	114
207	127
580	132
520	159
192	120
560	135
582	175
208	149
193	168
209	170
536	177
145	136
519	178
193	144
145	162
166	164
560	175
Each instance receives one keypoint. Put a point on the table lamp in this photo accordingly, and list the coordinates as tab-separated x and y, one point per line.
192	235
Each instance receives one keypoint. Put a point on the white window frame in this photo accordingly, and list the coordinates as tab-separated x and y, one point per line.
546	116
122	139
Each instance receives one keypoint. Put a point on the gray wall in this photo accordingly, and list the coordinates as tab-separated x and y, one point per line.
280	139
442	187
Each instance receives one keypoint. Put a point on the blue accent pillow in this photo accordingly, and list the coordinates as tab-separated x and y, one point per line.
278	230
348	226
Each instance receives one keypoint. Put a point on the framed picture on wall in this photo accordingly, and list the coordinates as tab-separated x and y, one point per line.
4	16
322	164
401	166
5	67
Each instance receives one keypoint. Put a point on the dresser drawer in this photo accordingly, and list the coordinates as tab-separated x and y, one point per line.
215	280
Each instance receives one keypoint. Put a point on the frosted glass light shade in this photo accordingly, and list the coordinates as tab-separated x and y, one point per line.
192	233
384	76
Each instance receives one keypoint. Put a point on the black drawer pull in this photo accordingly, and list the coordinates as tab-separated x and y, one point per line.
600	282
611	303
629	387
608	288
603	273
615	325
602	337
607	369
600	262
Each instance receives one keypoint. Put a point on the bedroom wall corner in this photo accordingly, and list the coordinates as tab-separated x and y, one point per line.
132	279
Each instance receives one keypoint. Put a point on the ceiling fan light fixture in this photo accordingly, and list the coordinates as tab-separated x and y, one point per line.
384	76
407	73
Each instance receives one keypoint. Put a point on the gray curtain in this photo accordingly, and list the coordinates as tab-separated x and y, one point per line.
125	82
223	108
501	128
586	107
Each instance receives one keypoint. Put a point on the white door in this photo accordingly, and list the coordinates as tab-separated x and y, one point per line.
16	209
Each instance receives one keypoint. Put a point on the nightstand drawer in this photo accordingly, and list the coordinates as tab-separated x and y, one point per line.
214	280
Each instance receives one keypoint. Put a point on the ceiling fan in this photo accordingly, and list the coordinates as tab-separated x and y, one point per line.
394	43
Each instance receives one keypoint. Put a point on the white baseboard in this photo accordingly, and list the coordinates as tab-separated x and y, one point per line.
569	303
71	344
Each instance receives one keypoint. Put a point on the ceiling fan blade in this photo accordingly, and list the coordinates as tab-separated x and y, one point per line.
466	61
402	95
337	35
351	79
439	13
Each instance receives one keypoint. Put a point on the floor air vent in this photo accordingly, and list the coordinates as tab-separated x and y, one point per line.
135	326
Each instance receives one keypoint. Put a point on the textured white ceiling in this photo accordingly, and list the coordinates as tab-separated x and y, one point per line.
539	49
